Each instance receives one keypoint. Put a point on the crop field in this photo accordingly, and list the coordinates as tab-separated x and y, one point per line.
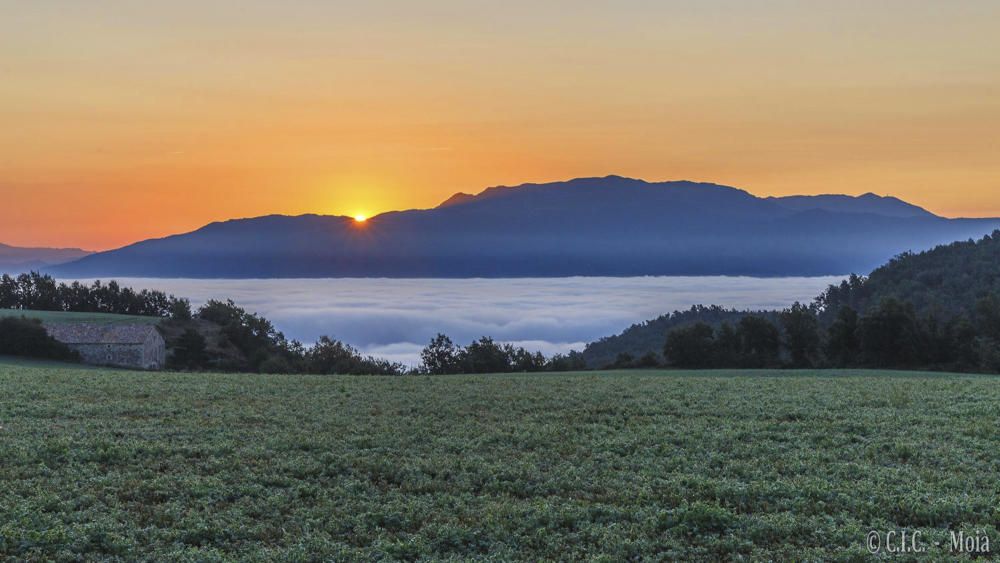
614	466
74	317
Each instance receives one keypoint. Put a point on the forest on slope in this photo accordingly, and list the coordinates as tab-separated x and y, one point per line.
934	309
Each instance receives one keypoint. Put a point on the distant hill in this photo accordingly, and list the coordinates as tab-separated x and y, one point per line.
649	336
610	226
948	281
16	260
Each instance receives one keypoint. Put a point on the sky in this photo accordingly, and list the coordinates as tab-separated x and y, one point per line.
121	121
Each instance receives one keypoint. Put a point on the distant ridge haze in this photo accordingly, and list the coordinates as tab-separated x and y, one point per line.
610	226
20	259
867	203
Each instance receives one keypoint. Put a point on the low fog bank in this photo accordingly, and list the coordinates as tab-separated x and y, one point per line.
396	318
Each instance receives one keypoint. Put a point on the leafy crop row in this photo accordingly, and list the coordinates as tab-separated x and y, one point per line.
614	466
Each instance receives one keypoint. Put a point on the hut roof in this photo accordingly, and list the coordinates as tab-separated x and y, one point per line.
90	333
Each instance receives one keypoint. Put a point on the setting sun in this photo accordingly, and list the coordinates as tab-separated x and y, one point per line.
360	218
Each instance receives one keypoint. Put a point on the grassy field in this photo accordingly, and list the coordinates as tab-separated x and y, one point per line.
613	466
72	317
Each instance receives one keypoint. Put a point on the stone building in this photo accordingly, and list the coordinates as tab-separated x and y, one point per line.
137	346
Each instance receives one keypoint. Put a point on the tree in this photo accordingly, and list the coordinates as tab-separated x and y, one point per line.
180	310
330	357
801	334
727	347
849	293
8	293
936	347
525	361
690	346
486	356
624	360
189	351
648	361
27	337
988	316
889	335
964	344
440	357
760	342
843	348
567	362
221	312
276	363
41	292
250	333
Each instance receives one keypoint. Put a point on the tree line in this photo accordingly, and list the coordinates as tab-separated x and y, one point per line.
262	348
225	337
949	280
34	291
247	342
935	310
641	345
442	356
889	335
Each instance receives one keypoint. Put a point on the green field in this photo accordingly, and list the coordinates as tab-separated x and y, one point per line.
72	317
615	466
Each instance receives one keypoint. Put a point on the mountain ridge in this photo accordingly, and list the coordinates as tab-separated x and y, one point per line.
882	205
18	259
608	225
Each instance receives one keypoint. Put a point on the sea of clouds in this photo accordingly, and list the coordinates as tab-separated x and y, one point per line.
396	318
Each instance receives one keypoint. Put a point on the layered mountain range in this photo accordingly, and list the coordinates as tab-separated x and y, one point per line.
15	259
611	226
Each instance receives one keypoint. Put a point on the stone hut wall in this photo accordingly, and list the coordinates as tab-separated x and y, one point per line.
154	354
123	345
120	355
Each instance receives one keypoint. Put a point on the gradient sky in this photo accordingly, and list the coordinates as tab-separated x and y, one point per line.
125	120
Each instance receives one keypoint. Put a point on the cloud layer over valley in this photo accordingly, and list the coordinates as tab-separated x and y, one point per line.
395	318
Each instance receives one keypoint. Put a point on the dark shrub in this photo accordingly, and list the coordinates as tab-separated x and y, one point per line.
690	346
27	337
189	351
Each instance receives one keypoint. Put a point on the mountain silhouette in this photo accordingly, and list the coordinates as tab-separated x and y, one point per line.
15	259
867	203
611	226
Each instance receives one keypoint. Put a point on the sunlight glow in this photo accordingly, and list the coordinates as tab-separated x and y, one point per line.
360	218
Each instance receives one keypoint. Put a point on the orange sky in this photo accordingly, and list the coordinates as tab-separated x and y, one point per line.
121	121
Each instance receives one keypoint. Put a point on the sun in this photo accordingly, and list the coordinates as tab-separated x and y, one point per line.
359	218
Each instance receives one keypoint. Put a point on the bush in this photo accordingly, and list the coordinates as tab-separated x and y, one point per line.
572	361
690	346
649	360
486	355
330	357
27	337
441	356
180	310
889	335
189	351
